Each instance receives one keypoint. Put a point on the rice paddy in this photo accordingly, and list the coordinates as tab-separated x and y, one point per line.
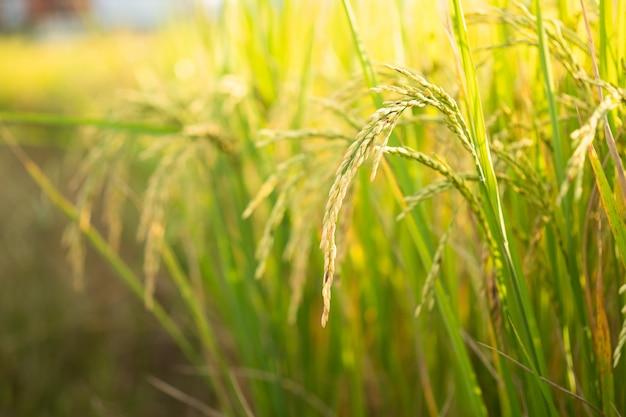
459	165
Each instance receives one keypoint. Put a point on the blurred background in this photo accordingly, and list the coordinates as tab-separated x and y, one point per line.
65	352
45	16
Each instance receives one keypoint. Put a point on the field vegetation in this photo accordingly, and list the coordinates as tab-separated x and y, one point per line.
459	165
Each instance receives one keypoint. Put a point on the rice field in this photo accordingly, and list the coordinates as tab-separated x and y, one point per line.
363	208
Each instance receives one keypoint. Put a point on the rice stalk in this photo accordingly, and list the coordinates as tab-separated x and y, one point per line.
298	182
299	259
152	221
431	190
560	39
601	335
511	280
112	206
72	239
585	135
621	339
435	96
275	218
460	184
369	143
528	182
265	190
214	135
429	283
299	134
307	202
89	180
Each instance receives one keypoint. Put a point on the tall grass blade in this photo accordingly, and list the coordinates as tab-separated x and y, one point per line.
613	213
561	149
366	65
602	336
520	306
465	373
56	120
608	65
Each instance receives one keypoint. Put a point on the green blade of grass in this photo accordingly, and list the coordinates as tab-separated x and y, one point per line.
520	306
475	405
610	47
559	146
608	73
601	335
204	330
618	228
56	120
364	60
602	339
561	149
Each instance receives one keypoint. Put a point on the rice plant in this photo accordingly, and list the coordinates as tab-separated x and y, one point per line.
466	194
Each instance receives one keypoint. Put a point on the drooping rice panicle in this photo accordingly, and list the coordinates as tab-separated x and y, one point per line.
152	223
375	133
274	220
429	283
264	191
371	142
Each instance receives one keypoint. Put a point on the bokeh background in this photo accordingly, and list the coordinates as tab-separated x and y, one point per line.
65	352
